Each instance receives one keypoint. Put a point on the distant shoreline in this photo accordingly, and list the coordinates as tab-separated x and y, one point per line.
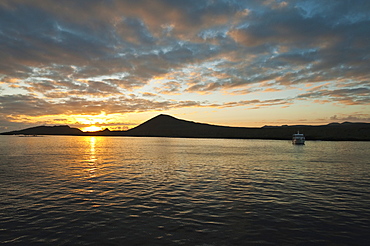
168	126
190	137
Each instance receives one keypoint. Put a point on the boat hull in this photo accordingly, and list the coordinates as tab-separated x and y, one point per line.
298	139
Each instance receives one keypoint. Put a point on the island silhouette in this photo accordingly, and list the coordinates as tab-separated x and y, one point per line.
169	126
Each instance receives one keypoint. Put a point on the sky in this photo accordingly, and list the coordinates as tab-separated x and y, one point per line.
117	63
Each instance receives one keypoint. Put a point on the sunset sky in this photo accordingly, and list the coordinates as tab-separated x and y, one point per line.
118	63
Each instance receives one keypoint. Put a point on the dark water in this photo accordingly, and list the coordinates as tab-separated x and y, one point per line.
163	191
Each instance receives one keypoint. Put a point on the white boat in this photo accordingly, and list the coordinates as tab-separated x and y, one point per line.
298	138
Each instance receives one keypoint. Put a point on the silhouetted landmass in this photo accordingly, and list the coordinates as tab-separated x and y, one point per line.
168	126
47	130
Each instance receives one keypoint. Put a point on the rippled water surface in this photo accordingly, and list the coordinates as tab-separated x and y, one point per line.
58	190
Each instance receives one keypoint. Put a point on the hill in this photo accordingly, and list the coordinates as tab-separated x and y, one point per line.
47	130
168	126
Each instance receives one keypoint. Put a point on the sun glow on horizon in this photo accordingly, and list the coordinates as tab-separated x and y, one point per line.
91	129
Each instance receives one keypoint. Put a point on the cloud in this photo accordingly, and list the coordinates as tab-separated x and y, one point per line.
31	105
148	94
171	87
354	117
347	96
26	105
132	37
77	57
255	103
319	45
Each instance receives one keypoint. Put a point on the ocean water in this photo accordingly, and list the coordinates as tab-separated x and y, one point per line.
64	190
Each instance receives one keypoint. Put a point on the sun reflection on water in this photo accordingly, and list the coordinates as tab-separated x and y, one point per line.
92	157
92	149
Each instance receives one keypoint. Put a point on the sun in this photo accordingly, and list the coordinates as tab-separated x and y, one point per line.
91	129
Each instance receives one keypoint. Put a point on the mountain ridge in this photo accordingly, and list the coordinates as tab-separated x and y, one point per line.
168	126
